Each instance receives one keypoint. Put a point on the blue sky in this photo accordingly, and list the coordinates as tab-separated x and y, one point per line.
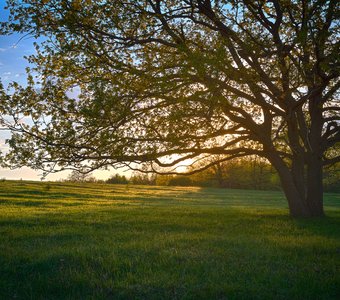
13	48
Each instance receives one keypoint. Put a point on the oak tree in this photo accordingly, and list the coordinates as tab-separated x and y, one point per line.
161	82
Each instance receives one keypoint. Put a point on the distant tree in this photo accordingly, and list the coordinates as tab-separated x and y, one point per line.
248	174
166	81
141	178
77	176
163	180
117	179
332	178
245	173
180	180
212	177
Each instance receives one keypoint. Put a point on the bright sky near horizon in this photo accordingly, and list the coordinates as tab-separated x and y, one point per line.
13	48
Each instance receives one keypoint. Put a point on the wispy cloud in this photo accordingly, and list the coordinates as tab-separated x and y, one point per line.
14	46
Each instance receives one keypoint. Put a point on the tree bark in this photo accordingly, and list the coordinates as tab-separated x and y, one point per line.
305	197
314	160
296	203
315	187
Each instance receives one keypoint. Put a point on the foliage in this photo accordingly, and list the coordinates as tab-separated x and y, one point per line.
180	181
77	176
142	178
85	241
166	81
332	178
163	180
244	173
117	179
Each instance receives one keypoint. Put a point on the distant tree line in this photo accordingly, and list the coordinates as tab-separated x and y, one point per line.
251	173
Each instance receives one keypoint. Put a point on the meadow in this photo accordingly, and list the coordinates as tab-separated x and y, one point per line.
100	241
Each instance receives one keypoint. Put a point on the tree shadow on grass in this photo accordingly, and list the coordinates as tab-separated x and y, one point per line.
25	203
68	277
237	265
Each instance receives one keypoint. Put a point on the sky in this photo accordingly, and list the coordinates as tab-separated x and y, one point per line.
13	48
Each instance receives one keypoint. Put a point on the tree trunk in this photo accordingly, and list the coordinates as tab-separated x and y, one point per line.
296	203
305	199
219	175
314	159
315	187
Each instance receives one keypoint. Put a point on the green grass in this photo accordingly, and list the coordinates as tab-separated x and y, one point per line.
92	241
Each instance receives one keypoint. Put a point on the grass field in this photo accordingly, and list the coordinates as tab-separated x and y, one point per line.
92	241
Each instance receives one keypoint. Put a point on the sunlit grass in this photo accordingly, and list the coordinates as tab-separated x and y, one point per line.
92	241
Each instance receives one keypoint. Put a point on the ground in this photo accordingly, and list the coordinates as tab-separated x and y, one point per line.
97	241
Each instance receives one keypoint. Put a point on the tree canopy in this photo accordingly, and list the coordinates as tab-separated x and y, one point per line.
161	82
